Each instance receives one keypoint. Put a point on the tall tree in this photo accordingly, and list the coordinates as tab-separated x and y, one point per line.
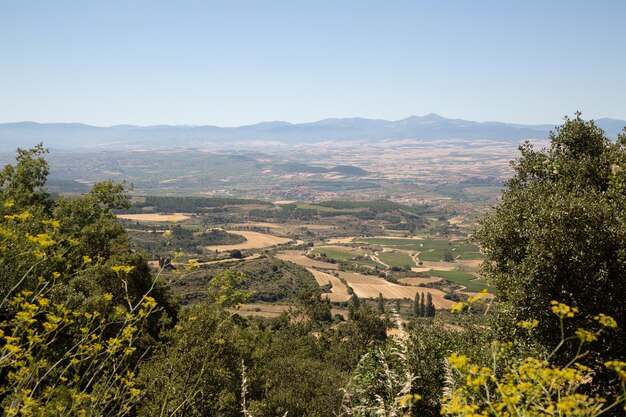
430	307
381	303
422	306
559	233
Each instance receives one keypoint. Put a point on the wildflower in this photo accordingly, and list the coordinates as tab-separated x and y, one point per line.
563	310
19	217
122	268
86	259
167	233
617	366
458	361
149	302
107	297
458	307
480	295
585	335
606	321
528	325
54	223
42	239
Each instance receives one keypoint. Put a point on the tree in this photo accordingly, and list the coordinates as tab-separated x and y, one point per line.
24	183
381	303
422	306
447	255
430	307
559	233
353	305
417	310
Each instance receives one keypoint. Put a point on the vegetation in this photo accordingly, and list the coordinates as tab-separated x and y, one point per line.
560	234
188	204
87	328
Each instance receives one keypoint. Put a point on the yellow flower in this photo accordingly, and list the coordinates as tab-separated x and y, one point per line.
458	307
42	239
122	268
86	259
107	297
563	310
528	325
606	321
585	335
458	361
149	302
480	295
18	217
54	223
619	367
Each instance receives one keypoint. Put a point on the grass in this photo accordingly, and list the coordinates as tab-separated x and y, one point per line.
398	259
335	254
316	207
431	249
463	278
368	262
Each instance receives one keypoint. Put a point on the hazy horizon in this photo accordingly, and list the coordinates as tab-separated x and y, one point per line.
240	63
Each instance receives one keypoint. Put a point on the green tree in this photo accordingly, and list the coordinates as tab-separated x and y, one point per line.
380	303
353	305
416	305
422	306
430	307
24	183
559	233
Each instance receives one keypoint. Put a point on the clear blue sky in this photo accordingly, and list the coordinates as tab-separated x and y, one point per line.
240	62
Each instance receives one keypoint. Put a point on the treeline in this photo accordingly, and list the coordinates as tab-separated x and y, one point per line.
267	279
178	238
189	204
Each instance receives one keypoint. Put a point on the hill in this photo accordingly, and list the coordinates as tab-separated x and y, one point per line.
429	127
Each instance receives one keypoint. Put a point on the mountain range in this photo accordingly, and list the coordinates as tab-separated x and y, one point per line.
429	127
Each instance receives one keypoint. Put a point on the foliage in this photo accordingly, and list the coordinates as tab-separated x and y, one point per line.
269	280
535	385
560	233
77	306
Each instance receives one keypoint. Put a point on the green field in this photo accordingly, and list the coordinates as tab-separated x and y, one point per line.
398	259
367	262
335	254
430	249
316	207
463	278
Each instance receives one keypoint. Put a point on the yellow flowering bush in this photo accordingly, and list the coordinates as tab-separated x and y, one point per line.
531	386
56	359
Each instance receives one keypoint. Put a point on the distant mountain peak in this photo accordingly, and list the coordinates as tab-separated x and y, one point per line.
428	127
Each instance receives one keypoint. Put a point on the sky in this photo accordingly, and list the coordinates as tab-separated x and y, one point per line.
231	63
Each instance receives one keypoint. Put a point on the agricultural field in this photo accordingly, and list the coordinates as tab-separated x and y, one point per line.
345	247
156	217
397	259
466	279
254	240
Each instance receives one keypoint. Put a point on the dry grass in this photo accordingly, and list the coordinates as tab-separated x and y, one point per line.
155	217
298	258
339	292
367	286
254	240
418	281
